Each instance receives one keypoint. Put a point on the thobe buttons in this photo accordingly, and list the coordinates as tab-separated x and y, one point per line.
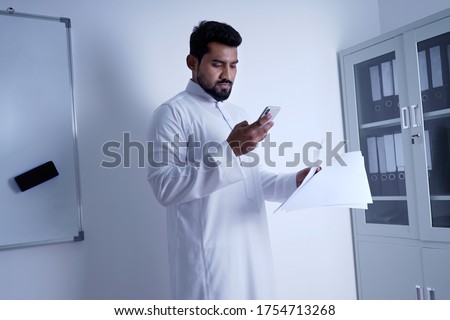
225	114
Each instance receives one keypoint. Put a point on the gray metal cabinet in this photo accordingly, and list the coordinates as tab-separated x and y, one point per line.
396	100
389	271
396	271
436	263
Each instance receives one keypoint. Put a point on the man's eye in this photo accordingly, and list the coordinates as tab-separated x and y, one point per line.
217	65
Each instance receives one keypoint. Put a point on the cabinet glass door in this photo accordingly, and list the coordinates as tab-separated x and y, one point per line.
435	91
376	73
432	61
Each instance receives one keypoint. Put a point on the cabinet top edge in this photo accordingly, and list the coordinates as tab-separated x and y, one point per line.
396	32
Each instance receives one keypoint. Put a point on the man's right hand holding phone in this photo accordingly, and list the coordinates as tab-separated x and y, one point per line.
244	137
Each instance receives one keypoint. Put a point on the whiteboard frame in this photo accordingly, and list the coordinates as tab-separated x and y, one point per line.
80	235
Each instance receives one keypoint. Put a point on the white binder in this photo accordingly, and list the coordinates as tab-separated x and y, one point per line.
399	157
387	76
381	155
372	154
375	83
423	70
436	67
389	149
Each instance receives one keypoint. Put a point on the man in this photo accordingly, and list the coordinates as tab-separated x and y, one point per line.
218	234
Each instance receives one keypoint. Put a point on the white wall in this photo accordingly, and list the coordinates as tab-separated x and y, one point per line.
397	13
128	58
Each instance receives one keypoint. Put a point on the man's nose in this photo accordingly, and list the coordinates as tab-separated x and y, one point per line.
225	73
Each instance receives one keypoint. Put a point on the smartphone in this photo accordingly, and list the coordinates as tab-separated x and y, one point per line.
273	110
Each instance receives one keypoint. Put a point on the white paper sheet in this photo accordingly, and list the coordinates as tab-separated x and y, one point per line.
333	186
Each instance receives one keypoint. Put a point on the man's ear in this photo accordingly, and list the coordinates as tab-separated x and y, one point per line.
192	62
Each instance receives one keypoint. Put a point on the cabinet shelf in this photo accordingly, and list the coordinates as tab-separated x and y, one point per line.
438	114
381	124
440	198
390	198
404	198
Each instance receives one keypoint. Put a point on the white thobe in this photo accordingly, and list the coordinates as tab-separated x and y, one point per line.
219	246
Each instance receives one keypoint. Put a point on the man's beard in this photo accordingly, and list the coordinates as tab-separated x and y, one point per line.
215	92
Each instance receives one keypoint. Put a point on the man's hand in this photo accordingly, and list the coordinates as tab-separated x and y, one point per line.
301	175
244	137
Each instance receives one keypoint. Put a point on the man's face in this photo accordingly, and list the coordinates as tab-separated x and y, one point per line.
216	71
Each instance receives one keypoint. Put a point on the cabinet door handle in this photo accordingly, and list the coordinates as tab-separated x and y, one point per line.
415	115
405	117
431	294
419	293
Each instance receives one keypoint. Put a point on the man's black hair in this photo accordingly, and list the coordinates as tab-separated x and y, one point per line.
212	31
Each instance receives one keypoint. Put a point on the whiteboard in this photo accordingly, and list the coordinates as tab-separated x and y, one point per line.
37	124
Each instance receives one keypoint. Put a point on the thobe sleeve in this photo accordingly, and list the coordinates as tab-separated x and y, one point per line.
174	171
277	187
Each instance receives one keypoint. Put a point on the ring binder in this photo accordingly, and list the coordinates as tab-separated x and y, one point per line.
394	70
374	182
383	167
375	84
387	74
391	166
400	162
423	77
437	79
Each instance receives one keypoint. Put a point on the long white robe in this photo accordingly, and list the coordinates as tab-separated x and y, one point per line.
219	246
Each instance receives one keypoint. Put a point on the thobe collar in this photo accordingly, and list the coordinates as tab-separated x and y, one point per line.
195	89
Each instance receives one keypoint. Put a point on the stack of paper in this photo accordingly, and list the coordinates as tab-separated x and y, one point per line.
334	186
